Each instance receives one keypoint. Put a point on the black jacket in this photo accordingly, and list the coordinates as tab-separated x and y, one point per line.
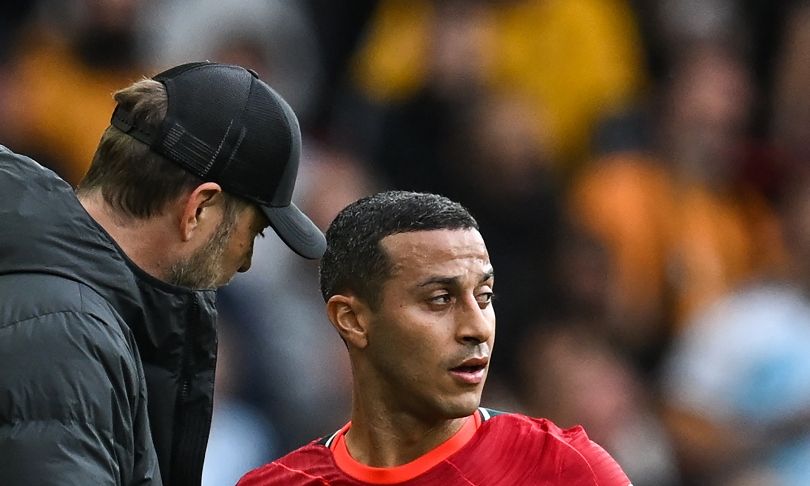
105	371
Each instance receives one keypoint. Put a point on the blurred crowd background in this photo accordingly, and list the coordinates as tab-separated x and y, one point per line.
639	169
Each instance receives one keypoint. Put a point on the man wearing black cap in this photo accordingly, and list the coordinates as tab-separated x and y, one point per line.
107	318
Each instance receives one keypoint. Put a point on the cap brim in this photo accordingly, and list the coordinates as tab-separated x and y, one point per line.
296	230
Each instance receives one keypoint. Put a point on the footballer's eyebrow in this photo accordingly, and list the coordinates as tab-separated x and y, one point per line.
439	280
456	280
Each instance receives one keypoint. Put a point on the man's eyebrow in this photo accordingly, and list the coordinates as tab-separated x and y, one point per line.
439	280
442	280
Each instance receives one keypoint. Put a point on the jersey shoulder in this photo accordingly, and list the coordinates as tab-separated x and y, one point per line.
311	464
503	423
556	448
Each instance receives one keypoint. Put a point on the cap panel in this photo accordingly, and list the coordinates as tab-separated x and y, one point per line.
258	166
181	146
286	183
205	105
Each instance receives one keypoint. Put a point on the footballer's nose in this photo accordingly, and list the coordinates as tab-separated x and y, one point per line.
475	324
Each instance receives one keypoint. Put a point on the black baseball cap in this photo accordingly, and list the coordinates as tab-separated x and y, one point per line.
226	125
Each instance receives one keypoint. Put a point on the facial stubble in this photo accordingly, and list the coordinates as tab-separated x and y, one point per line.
203	269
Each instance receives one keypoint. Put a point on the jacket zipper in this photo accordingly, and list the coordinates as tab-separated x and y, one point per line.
191	438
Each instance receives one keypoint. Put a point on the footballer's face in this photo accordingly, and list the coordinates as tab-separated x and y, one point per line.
430	339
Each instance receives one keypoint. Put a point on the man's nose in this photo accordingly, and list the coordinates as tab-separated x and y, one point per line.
474	323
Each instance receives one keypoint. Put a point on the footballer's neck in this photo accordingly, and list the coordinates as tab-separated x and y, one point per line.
387	439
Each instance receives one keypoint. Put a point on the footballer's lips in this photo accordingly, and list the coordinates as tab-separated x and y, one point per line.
471	371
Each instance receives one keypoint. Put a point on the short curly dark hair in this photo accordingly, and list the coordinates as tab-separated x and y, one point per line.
354	260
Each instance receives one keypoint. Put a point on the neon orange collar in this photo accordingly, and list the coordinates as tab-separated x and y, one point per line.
405	472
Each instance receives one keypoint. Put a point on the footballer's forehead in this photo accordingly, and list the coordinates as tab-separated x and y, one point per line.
437	254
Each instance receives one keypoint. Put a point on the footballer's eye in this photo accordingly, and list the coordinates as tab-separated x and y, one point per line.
441	299
485	298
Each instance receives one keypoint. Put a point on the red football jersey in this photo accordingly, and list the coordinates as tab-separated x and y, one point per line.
491	449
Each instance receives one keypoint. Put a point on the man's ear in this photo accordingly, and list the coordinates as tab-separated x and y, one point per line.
197	208
350	316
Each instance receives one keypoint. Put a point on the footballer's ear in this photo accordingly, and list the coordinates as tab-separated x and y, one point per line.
350	316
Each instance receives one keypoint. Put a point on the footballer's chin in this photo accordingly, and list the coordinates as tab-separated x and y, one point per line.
463	404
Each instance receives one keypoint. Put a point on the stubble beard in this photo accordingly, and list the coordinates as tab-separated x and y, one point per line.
203	269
